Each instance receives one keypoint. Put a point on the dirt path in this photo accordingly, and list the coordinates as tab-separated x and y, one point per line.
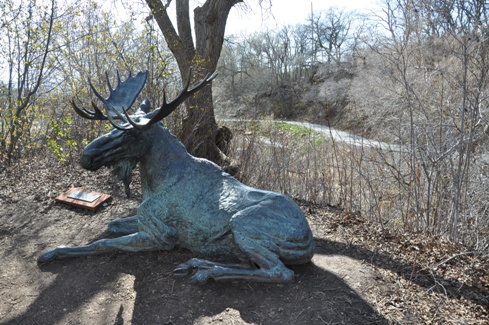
359	275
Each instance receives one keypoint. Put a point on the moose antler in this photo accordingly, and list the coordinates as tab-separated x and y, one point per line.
120	99
166	108
123	96
83	112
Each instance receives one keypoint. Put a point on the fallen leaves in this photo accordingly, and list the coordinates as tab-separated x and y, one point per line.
419	279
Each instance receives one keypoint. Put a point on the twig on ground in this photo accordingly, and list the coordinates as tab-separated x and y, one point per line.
454	256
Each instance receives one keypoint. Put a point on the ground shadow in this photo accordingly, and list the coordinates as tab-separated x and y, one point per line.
316	297
422	277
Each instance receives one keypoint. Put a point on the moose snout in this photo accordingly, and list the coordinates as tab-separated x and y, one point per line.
94	159
86	163
102	151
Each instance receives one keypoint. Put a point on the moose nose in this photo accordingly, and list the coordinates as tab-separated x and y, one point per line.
85	162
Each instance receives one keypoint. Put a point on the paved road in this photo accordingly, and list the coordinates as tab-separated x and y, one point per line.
336	135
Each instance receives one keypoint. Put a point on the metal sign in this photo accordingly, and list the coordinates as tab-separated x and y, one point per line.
83	196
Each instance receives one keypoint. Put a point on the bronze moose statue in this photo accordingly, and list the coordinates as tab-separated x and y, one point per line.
189	202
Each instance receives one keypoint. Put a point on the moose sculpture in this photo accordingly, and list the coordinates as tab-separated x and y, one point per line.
189	202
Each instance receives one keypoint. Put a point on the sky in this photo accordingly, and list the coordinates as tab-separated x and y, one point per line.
249	18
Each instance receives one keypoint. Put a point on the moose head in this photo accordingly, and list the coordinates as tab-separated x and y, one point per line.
129	140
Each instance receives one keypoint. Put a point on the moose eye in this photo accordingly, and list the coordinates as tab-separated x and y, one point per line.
130	134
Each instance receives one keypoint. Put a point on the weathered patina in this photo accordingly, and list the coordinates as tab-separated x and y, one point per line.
190	202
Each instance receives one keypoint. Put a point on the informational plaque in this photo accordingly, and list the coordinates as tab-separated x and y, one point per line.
84	199
84	196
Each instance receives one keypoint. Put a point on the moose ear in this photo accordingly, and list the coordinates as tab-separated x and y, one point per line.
145	106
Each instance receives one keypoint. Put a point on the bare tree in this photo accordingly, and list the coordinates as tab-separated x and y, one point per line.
27	31
200	133
433	67
331	30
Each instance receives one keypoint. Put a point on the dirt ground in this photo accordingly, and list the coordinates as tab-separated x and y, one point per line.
361	273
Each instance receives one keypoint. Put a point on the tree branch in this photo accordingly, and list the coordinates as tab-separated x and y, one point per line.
24	102
454	256
184	28
164	23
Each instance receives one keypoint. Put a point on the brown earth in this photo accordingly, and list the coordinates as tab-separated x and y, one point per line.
361	273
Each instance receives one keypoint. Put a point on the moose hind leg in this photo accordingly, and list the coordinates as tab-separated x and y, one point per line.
131	243
271	269
200	264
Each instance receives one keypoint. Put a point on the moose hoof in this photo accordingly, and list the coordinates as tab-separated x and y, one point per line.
47	257
182	270
200	277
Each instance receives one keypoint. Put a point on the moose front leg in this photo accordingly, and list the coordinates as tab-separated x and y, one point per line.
139	241
124	226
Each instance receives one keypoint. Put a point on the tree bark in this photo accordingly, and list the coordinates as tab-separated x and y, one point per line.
200	133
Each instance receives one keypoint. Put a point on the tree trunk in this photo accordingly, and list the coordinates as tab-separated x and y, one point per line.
200	133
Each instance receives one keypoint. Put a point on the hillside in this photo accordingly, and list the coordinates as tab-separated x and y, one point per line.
321	97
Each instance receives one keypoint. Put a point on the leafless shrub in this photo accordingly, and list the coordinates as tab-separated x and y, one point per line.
379	182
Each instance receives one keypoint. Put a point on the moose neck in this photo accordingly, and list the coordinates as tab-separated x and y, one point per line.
164	163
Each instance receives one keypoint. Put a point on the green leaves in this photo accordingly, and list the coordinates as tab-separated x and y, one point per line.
48	51
61	141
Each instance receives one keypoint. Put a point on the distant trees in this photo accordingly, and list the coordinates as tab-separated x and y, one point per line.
274	57
331	32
